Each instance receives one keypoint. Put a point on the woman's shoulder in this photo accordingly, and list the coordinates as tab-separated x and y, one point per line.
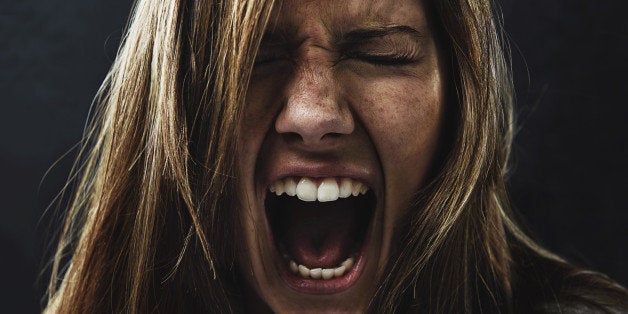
544	284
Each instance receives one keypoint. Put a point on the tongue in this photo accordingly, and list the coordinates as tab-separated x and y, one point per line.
319	234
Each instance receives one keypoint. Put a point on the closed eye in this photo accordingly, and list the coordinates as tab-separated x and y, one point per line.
383	59
271	54
391	60
264	60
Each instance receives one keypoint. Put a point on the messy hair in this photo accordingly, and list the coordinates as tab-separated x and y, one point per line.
151	224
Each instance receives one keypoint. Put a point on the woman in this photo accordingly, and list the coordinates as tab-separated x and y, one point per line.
316	156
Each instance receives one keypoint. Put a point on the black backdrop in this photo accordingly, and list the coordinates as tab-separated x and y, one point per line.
570	169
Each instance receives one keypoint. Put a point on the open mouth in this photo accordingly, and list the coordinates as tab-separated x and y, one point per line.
320	228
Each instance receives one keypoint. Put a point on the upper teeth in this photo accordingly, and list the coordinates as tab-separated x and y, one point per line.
327	190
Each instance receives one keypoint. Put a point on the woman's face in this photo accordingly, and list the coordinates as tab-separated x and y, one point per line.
343	120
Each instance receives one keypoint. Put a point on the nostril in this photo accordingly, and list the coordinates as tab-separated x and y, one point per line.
331	135
296	137
292	137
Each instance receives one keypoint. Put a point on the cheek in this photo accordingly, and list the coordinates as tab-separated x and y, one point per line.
403	116
253	128
261	106
407	123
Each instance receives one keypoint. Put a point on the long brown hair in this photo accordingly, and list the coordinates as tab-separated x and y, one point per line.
462	250
150	226
152	223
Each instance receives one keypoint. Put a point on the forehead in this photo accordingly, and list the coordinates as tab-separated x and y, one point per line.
302	18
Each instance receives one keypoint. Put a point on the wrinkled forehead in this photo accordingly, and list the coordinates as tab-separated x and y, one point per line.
301	18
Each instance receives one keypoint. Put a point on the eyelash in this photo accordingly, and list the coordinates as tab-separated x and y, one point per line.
384	60
380	60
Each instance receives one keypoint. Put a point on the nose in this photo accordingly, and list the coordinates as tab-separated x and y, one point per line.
313	113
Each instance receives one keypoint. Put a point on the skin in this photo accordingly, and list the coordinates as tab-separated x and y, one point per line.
317	97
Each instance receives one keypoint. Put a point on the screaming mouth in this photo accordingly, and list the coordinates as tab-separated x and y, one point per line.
320	227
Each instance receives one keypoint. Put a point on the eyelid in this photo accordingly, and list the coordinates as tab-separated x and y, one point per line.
270	54
381	54
389	58
385	46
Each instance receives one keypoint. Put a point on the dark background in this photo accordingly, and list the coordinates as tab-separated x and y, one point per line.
570	169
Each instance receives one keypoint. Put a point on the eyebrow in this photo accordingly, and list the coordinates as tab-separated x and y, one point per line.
363	34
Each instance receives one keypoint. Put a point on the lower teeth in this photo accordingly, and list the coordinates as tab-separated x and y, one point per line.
322	273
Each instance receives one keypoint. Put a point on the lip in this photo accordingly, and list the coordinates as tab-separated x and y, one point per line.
319	170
